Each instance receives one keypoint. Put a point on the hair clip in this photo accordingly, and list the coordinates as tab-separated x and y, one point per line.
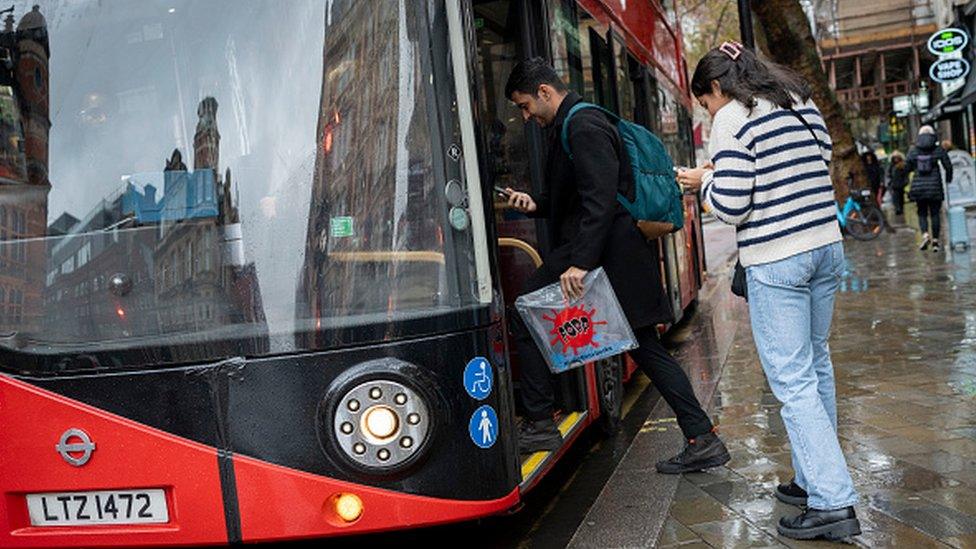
731	48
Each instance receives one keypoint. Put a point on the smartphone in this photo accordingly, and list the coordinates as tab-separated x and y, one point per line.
678	168
502	191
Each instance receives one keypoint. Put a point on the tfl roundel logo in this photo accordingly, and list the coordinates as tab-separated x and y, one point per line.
75	446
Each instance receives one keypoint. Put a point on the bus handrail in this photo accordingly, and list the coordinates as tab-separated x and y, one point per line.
521	245
390	256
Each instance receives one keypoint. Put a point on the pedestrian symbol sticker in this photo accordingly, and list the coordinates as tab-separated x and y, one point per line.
483	427
478	378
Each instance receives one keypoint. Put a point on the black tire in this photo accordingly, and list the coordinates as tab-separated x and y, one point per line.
866	224
610	392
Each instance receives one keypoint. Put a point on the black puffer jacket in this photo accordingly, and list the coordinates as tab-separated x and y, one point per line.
924	160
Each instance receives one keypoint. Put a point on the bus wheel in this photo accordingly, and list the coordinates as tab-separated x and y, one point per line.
610	386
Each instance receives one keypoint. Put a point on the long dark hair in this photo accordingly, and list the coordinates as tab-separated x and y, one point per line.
747	78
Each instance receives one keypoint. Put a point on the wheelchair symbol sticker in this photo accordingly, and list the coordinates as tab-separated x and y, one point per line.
478	378
483	427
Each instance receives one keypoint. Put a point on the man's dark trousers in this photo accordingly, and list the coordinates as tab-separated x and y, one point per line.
650	356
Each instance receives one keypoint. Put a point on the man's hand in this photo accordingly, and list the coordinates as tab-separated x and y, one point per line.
692	178
571	283
519	201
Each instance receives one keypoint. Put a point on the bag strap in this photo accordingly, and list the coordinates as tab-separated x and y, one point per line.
809	129
564	133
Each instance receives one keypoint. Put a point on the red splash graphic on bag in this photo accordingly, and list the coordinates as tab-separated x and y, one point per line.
574	327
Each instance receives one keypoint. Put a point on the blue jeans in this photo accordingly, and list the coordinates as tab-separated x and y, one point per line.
791	302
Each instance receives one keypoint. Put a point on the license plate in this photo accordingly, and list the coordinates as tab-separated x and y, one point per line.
99	507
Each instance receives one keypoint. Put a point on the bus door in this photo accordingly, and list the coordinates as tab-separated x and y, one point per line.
514	155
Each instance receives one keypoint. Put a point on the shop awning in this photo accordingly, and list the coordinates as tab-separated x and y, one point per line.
968	94
943	109
950	104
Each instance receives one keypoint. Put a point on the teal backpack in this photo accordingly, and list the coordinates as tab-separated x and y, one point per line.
657	194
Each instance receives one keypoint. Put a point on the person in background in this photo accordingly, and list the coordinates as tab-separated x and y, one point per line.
927	184
770	150
873	170
897	181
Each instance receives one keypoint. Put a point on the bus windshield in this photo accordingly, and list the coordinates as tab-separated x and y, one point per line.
174	173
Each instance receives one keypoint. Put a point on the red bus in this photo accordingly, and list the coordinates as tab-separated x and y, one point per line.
254	284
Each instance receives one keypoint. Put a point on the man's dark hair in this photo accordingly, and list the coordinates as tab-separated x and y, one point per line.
528	75
748	78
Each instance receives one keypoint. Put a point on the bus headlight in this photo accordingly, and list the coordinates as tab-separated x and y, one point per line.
381	424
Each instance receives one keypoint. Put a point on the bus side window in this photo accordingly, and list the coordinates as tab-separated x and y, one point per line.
623	79
565	46
602	71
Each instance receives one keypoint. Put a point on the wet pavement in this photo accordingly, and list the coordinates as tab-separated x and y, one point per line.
904	348
904	351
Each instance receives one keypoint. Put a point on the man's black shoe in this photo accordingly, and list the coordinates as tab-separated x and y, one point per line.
539	436
813	523
791	494
700	453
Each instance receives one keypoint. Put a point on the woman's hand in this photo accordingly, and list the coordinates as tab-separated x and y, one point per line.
520	201
692	178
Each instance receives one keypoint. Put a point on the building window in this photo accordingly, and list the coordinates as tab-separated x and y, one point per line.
188	261
83	255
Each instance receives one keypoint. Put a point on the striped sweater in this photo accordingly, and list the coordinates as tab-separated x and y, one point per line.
771	180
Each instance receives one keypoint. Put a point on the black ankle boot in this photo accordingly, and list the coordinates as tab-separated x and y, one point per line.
791	494
700	453
539	436
813	523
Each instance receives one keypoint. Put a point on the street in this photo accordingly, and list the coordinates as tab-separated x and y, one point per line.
906	387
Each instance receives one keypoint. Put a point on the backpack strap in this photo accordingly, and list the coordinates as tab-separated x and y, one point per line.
564	134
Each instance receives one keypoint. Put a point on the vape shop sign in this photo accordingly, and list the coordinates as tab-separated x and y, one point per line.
948	41
948	70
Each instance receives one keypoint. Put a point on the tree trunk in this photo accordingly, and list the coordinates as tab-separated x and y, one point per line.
784	34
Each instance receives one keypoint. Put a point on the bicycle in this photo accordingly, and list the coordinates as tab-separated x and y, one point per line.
861	217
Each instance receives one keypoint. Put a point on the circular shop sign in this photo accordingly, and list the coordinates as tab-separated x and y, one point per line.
947	70
948	41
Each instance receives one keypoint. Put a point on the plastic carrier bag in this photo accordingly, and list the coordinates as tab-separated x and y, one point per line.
570	334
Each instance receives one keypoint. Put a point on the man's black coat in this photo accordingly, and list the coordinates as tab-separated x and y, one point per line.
588	227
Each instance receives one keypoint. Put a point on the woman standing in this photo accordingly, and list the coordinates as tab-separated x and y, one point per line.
897	181
770	150
873	170
926	191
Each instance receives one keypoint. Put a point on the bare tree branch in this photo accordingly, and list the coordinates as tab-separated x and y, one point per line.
721	17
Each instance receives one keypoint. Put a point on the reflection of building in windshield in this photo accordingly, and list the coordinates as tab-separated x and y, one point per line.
151	260
201	276
374	240
24	187
99	276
